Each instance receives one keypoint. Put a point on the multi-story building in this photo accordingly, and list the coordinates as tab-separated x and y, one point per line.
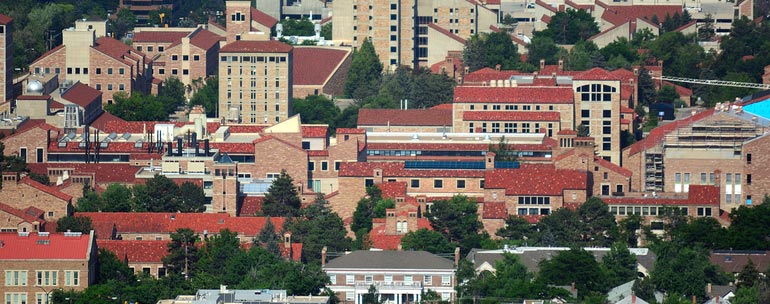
29	219
88	56
399	276
6	60
230	296
243	20
255	81
142	8
35	264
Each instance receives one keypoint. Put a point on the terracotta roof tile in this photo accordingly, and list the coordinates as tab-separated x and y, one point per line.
701	195
393	189
314	131
487	74
612	167
5	19
205	39
620	14
510	116
251	205
262	18
116	49
625	109
595	74
33	97
495	210
395	117
657	134
325	20
145	251
58	247
21	214
245	46
514	94
104	173
546	145
159	36
350	131
47	189
567	132
446	32
314	65
536	180
82	95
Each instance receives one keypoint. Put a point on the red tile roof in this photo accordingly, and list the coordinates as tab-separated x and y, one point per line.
536	180
115	49
657	134
700	195
595	74
487	74
682	91
5	19
251	205
624	74
383	241
104	173
396	169
233	148
495	210
53	191
396	117
57	247
101	122
545	146
514	94
393	189
159	36
150	251
21	214
262	18
446	32
510	116
325	20
546	6
621	14
314	65
270	137
350	131
317	131
625	109
612	167
145	222
205	39
246	46
318	153
82	95
46	54
443	106
567	132
33	97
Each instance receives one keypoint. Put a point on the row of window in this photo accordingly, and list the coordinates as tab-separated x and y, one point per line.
110	87
162	71
534	200
150	48
43	278
533	211
498	107
439	183
655	210
241	59
427	280
510	127
121	71
324	166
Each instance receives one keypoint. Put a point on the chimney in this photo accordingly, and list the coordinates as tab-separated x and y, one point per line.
497	67
708	289
633	298
287	240
490	161
561	64
400	248
694	300
323	256
170	149
542	64
457	257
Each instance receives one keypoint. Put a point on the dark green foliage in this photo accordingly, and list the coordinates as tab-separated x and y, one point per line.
365	73
294	27
162	195
140	107
597	221
583	130
183	253
574	266
749	276
626	139
111	267
620	47
191	198
747	295
516	228
421	88
679	54
619	265
173	89
571	26
362	217
542	47
316	109
14	163
503	151
268	238
627	228
74	224
123	23
315	227
685	271
207	96
474	53
646	88
500	50
749	227
583	56
457	219
348	118
371	296
427	240
282	198
326	31
667	94
40	178
158	194
116	198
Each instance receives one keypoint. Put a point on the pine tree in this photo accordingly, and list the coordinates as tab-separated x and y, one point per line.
282	198
474	53
646	87
268	238
365	73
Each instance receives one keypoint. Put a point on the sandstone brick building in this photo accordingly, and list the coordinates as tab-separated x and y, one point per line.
6	59
29	219
320	70
35	264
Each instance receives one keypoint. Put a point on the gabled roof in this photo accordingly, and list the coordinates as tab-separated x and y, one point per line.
612	167
415	260
314	65
595	74
46	54
21	214
262	18
446	32
54	246
698	195
5	19
350	131
620	14
53	191
733	261
145	251
510	116
396	169
495	210
657	134
554	95
115	49
82	95
159	36
104	173
205	39
487	74
536	180
396	117
247	46
314	131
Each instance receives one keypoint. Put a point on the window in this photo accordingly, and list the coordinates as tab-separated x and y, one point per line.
748	179
324	166
23	154
393	17
174	57
15	278
336	166
427	280
149	48
585	113
185	57
619	188
71	278
121	87
606	113
41	298
69	71
109	71
350	279
446	280
704	211
407	279
607	143
47	278
438	183
196	58
460	184
481	184
77	71
415	183
16	298
185	72
174	72
306	145
39	155
161	49
333	279
161	71
98	86
748	158
388	278
311	166
596	92
109	87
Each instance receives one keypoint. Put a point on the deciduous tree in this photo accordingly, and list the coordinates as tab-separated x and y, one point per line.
427	240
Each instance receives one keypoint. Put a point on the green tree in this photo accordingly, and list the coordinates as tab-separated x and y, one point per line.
619	265
123	23
116	198
749	276
318	226
159	194
574	266
748	227
40	178
90	201
597	221
500	50
542	47
685	271
268	238
365	72
112	268
474	53
706	32
183	252
583	56
457	219
207	96
138	107
746	295
646	88
191	198
503	151
426	240
362	216
174	90
516	228
282	198
316	109
627	228
326	31
561	228
372	296
569	26
75	224
620	47
294	27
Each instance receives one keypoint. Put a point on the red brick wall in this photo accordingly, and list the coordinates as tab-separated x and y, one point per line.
31	139
20	196
52	61
758	169
101	61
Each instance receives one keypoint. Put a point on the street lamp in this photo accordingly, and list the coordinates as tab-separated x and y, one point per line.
47	294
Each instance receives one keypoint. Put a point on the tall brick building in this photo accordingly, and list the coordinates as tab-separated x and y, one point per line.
35	264
255	81
6	59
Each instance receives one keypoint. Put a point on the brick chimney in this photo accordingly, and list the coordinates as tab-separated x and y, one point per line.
489	160
287	240
457	257
323	256
561	64
542	64
633	298
497	67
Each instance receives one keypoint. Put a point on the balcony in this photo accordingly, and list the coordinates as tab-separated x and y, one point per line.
387	286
